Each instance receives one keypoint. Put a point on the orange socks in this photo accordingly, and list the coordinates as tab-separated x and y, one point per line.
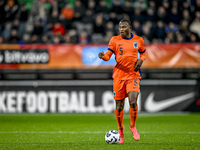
119	117
133	115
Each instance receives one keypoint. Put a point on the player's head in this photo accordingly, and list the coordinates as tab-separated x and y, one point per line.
125	27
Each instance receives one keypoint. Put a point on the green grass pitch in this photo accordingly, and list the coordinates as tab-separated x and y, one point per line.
177	131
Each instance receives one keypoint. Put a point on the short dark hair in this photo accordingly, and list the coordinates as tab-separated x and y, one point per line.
126	20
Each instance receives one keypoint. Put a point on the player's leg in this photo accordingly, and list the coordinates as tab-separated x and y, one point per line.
133	92
119	96
133	109
119	113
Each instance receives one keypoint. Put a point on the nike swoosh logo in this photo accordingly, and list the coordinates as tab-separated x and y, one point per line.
154	106
120	44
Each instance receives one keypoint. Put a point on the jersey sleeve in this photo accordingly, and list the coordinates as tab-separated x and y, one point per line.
110	50
107	55
142	51
112	45
142	47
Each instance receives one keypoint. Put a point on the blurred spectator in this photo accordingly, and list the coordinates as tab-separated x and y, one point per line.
171	37
137	15
174	16
1	40
160	30
127	8
165	4
57	39
88	17
66	39
64	21
109	26
38	28
15	24
161	14
19	27
116	7
97	38
14	39
147	31
150	15
2	13
186	15
58	29
102	7
171	27
195	26
45	39
140	4
184	26
113	17
146	40
10	10
54	7
86	23
175	4
83	38
197	6
192	37
23	17
137	27
108	36
180	38
53	18
71	36
7	30
125	16
41	11
79	10
98	25
186	5
152	4
34	39
91	6
68	12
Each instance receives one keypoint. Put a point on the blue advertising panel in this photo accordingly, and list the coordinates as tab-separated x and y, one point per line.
90	56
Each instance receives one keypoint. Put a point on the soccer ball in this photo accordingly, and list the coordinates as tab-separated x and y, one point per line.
112	137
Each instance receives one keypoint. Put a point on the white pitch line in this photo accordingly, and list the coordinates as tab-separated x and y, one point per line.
86	132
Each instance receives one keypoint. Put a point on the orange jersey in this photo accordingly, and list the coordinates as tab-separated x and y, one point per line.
126	55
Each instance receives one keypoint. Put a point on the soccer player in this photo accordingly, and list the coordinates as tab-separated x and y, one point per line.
126	74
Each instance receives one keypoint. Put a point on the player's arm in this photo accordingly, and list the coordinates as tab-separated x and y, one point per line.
110	51
143	56
105	56
139	62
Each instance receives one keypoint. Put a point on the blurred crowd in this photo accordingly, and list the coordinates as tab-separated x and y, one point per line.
96	21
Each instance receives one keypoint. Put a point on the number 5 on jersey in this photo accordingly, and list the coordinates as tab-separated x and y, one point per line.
121	51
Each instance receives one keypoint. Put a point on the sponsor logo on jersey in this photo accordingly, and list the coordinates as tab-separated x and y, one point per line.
135	45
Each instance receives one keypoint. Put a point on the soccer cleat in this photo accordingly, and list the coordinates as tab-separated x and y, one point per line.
121	133
135	133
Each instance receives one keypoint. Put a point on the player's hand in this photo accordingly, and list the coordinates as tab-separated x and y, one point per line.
138	64
101	55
